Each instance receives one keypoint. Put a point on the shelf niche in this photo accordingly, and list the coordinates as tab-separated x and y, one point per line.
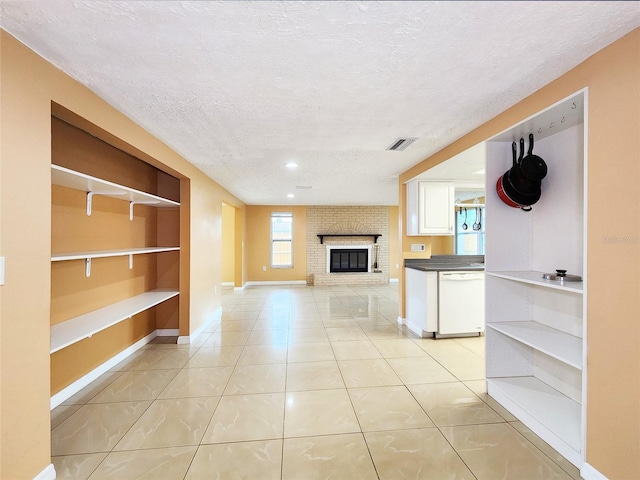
124	299
535	337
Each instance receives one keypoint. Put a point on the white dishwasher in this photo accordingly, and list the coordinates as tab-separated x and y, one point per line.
460	303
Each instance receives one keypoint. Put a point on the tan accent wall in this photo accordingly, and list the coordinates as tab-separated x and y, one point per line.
228	243
395	257
613	246
31	89
258	244
240	269
25	232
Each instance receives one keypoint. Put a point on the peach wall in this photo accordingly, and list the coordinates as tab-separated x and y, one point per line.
30	86
228	243
613	246
25	153
394	244
240	270
258	240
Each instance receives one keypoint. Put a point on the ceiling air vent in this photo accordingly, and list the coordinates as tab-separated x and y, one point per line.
401	143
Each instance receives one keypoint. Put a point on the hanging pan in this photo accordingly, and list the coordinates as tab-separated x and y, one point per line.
508	192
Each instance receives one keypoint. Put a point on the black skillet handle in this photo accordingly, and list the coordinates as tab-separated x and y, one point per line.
514	151
530	152
521	150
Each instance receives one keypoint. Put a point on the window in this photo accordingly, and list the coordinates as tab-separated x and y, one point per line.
281	240
470	241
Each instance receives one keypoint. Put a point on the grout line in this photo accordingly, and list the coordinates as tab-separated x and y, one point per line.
266	304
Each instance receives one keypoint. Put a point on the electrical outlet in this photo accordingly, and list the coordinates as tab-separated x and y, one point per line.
417	247
264	268
215	289
397	265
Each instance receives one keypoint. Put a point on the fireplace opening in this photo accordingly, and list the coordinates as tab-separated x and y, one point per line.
349	260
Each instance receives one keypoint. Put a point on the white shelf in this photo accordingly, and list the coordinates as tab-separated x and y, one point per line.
71	331
557	413
60	257
557	344
79	181
535	278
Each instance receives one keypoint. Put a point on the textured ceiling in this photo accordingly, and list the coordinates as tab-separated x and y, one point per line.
239	88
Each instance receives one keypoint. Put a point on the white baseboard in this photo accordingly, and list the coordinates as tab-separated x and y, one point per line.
227	284
167	332
417	329
82	382
49	473
186	339
589	473
239	289
394	280
281	282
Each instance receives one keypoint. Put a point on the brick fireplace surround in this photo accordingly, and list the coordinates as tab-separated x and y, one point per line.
345	220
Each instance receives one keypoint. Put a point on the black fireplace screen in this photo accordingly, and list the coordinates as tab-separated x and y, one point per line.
349	260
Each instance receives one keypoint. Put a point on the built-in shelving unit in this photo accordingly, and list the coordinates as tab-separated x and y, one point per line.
533	401
109	207
95	186
535	278
552	342
536	328
84	326
61	257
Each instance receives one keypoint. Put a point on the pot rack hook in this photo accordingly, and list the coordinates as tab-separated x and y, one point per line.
573	106
551	125
562	121
540	130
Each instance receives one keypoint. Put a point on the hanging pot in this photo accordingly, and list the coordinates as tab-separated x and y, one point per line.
512	197
507	192
532	166
520	179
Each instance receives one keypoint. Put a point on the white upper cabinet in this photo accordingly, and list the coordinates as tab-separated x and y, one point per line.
430	208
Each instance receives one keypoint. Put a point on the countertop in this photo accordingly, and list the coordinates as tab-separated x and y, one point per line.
440	263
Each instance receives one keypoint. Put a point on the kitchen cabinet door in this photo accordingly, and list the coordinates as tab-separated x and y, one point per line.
437	212
430	208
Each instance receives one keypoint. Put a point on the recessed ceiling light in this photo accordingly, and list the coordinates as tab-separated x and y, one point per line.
290	195
291	165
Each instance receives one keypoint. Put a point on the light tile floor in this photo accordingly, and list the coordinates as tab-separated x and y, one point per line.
299	383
